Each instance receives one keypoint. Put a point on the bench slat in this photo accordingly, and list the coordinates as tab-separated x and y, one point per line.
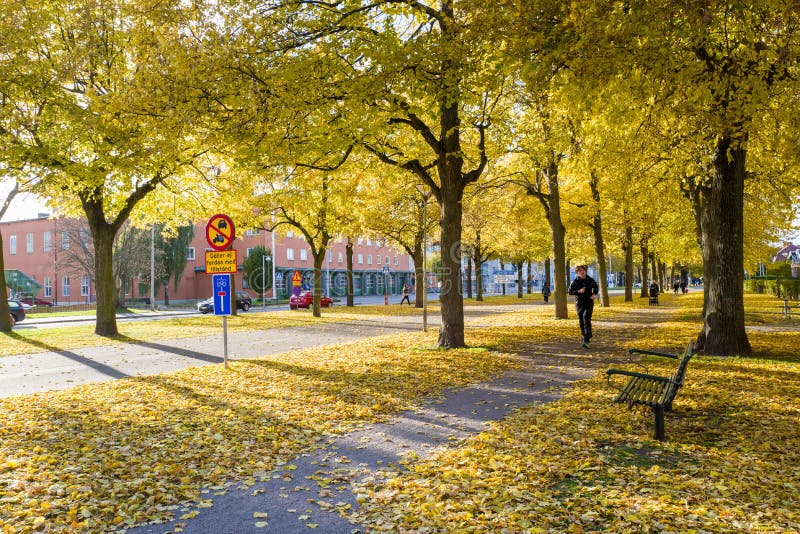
656	392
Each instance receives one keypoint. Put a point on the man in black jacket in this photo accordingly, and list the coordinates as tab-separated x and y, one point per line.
585	290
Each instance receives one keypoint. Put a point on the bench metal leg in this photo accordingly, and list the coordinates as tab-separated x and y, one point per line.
658	413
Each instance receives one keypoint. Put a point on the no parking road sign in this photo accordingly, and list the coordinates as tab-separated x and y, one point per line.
220	232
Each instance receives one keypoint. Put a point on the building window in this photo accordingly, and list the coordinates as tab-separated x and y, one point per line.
340	258
289	253
359	241
12	244
253	231
378	259
64	241
361	259
369	259
47	241
303	254
330	256
290	233
48	287
369	242
29	243
65	286
84	235
190	253
247	252
387	260
85	282
396	260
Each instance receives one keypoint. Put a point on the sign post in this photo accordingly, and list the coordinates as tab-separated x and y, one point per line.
220	234
222	306
386	285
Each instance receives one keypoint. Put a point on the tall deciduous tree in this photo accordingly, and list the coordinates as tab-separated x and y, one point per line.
722	65
91	98
5	312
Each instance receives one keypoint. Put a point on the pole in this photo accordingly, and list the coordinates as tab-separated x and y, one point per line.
328	273
424	273
225	339
274	256
152	268
263	279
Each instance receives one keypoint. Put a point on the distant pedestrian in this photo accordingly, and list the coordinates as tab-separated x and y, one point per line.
546	292
676	286
405	295
585	289
683	287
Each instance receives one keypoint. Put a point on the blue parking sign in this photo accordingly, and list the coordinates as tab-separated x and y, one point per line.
222	294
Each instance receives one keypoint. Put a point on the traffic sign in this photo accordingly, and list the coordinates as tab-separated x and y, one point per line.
386	268
297	281
222	294
218	262
220	232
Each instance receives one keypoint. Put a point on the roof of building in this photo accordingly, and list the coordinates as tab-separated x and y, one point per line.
788	252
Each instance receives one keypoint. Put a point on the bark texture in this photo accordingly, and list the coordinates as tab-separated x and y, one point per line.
722	227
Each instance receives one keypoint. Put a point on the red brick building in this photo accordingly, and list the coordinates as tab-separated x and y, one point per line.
36	247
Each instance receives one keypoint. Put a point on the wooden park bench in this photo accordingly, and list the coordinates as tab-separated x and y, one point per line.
656	392
786	309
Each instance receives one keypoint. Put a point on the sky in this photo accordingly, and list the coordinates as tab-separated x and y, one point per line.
24	206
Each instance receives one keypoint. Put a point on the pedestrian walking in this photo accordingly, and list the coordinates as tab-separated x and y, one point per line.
546	292
405	295
585	289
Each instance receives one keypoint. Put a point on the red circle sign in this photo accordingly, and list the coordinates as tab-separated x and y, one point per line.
220	232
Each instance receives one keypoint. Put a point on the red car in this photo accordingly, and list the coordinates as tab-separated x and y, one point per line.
306	299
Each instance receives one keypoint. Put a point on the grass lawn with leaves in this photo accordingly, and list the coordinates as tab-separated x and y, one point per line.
103	456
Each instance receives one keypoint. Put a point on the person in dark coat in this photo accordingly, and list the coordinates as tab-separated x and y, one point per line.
546	292
585	290
405	295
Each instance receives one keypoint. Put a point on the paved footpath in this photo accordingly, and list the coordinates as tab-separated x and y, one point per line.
62	369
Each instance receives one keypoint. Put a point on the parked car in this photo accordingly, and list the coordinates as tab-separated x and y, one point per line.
243	302
306	299
17	311
35	301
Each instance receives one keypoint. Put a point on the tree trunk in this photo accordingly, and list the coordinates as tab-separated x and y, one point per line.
599	246
419	276
477	258
628	247
559	233
723	254
350	285
643	248
451	334
469	277
503	285
166	296
530	278
519	280
5	312
103	238
547	282
319	258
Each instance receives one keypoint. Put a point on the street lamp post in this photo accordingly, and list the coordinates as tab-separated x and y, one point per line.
274	255
263	280
424	254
